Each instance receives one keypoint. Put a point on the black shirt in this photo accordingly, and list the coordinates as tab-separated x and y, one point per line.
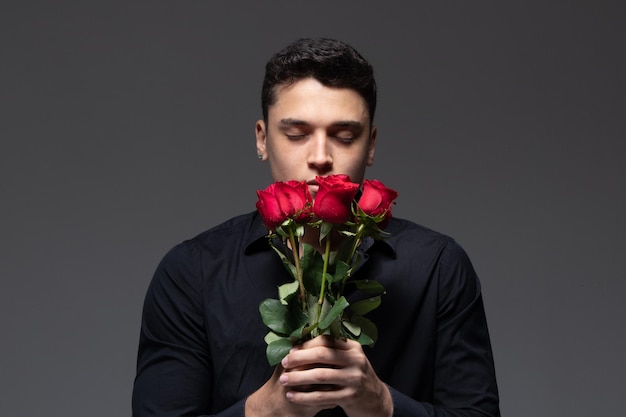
202	352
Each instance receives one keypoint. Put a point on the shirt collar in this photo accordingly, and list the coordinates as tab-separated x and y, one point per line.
256	238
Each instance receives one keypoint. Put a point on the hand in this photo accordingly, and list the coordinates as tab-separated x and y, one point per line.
326	372
271	401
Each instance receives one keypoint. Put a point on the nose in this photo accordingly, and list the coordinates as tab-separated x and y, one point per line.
320	158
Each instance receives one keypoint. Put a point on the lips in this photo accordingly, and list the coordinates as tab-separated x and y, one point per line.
313	187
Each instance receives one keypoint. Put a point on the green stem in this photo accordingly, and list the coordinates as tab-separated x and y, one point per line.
357	241
320	301
296	260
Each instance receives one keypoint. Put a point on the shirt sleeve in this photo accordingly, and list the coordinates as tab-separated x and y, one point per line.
173	365
464	377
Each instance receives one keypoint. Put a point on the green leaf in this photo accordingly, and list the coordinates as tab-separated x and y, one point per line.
312	267
300	334
308	258
282	318
286	291
348	233
341	270
325	230
354	329
335	330
271	336
365	340
277	350
308	254
369	331
329	278
340	305
275	315
308	330
370	287
312	307
284	228
363	307
345	247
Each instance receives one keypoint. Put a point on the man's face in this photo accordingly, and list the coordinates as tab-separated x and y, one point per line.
316	130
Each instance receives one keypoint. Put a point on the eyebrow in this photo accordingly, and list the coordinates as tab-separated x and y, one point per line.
293	122
339	123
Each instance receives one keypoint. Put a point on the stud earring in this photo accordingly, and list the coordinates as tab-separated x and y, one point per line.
260	156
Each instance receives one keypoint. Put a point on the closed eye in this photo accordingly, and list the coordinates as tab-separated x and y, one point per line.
345	139
296	137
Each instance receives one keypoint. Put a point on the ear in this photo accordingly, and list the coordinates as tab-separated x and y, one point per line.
371	149
261	136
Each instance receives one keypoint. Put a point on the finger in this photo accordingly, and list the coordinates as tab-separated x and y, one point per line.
326	341
318	379
314	357
319	354
318	398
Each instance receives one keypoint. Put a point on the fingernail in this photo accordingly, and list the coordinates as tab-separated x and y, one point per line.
283	379
284	362
289	395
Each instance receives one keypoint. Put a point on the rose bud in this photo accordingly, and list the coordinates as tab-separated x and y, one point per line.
333	201
283	200
376	199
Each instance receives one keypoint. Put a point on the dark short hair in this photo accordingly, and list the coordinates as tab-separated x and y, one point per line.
333	63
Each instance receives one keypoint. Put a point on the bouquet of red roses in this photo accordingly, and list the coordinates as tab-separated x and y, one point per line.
314	303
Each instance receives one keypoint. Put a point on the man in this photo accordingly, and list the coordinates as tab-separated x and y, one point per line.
202	350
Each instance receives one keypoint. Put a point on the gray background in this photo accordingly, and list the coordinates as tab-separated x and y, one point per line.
127	127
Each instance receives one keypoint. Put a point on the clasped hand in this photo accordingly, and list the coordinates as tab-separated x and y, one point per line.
322	373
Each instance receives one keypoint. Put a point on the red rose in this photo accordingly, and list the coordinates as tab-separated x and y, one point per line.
333	201
284	200
376	199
